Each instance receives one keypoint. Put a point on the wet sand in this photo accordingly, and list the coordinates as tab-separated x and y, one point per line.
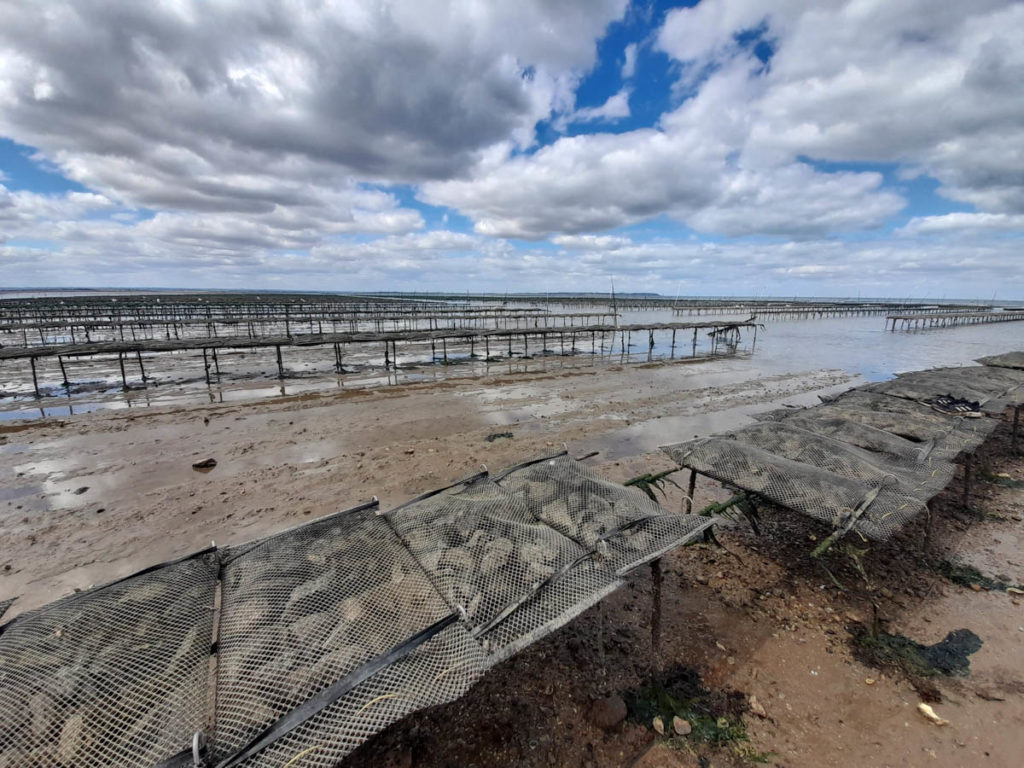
89	498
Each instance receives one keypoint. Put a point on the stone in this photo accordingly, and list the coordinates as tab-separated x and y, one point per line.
681	727
757	708
608	712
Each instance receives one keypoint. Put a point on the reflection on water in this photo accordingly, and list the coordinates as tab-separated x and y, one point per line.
860	345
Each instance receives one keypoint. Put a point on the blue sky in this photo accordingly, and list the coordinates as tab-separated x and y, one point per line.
713	147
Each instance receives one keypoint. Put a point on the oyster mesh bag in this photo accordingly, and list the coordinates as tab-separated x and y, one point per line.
307	608
622	524
512	577
293	649
868	460
117	675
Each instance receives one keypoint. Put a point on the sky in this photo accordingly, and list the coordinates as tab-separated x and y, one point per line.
724	147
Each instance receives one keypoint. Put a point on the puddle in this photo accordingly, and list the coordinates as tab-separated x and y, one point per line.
20	491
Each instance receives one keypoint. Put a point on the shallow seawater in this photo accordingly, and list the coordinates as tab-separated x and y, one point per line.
858	345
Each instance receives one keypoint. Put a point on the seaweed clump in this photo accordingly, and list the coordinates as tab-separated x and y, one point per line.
715	717
920	663
969	576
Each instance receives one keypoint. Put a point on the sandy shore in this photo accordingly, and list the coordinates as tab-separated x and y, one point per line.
91	498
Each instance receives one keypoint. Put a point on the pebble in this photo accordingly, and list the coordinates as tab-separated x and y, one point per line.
757	708
681	727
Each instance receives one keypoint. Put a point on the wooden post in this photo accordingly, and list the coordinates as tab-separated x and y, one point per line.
138	356
965	502
694	352
216	363
280	363
688	501
63	372
124	379
1016	426
656	580
206	366
387	359
35	381
444	348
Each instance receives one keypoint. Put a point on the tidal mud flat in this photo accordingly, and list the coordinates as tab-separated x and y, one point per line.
89	498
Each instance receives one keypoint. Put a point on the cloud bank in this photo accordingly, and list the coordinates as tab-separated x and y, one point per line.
362	144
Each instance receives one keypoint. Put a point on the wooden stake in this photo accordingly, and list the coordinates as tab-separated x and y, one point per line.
280	363
688	501
1016	426
138	356
967	483
35	381
124	379
656	580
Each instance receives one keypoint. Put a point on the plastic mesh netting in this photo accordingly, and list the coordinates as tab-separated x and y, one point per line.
917	422
622	524
5	604
885	444
117	676
510	575
323	635
1005	360
304	609
829	480
991	386
868	460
